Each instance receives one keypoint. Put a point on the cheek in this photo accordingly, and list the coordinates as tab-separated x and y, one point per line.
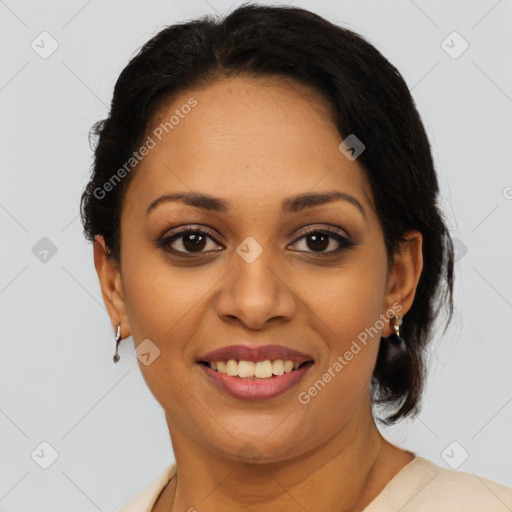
348	309
160	307
166	305
160	299
348	300
341	382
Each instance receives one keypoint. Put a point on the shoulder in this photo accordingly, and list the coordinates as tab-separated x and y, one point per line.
144	501
422	486
468	490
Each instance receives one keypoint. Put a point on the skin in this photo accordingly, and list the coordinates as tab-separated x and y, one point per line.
254	142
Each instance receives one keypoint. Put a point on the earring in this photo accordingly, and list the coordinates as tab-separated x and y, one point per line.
396	322
394	357
118	339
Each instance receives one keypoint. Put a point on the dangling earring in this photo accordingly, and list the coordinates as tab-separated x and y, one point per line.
118	339
396	366
394	357
396	322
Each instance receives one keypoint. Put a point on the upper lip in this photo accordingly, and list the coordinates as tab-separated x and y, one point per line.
255	353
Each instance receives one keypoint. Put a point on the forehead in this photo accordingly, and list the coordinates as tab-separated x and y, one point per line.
249	139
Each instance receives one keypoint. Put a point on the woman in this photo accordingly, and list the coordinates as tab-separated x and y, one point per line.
263	207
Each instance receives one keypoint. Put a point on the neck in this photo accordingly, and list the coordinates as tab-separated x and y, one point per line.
345	473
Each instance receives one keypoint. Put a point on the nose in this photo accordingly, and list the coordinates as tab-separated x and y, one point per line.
256	293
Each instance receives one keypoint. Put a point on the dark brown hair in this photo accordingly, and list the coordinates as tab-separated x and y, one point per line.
368	98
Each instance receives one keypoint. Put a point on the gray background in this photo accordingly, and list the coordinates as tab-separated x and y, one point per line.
57	380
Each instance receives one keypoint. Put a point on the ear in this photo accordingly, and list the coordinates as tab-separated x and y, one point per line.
111	286
404	275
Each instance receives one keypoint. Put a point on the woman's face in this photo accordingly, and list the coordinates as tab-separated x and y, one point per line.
248	273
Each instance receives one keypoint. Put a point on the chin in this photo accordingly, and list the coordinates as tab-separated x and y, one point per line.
260	449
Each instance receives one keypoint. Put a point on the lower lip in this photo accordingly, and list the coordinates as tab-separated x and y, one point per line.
256	389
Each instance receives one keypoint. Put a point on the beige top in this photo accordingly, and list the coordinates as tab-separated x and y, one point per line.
420	486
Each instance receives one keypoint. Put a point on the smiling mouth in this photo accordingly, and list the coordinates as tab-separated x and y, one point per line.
255	369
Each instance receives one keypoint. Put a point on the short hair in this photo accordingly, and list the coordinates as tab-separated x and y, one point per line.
367	96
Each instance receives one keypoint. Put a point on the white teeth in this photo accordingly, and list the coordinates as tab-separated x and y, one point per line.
249	369
263	369
246	369
232	368
278	367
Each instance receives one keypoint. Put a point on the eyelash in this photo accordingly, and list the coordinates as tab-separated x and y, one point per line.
167	240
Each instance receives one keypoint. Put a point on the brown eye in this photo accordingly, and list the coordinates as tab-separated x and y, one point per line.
188	242
194	242
319	240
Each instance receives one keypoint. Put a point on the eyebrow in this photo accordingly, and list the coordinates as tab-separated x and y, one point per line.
289	205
